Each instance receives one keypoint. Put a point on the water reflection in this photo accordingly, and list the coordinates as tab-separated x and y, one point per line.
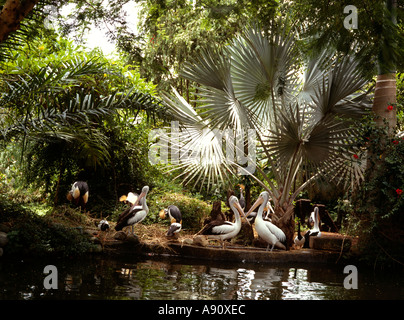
157	279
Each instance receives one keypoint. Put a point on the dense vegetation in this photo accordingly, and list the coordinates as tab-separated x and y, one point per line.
70	113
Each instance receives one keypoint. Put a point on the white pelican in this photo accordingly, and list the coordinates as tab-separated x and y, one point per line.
299	239
268	209
135	213
175	217
265	229
314	220
224	230
79	193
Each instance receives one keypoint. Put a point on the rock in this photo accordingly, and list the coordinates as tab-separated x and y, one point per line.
1	251
187	241
3	239
120	235
133	239
331	242
200	241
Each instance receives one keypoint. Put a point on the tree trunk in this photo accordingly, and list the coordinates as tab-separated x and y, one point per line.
385	95
385	92
13	12
287	224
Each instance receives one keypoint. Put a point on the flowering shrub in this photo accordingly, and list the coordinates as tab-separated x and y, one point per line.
379	203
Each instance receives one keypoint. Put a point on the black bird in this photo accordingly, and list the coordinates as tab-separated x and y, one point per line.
299	239
79	194
175	217
103	225
315	231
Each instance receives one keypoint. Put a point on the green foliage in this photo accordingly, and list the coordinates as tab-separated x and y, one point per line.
71	114
31	234
379	203
377	38
193	210
305	123
174	31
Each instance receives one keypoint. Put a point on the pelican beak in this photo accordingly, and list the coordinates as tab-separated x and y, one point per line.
256	204
241	212
142	195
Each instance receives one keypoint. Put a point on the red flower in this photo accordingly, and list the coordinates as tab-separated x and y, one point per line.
390	107
396	142
399	192
356	156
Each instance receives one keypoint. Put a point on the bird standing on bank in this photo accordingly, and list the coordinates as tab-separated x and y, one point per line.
79	194
267	230
225	230
314	221
299	239
175	216
135	214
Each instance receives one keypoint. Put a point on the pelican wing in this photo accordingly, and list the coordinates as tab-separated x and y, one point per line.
137	215
128	213
224	228
276	231
207	228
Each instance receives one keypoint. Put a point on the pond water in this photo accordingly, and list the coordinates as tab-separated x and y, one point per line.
168	278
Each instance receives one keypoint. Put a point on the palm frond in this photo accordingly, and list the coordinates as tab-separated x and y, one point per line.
303	121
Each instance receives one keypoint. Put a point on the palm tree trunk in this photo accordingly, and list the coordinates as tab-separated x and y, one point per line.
385	93
287	224
12	13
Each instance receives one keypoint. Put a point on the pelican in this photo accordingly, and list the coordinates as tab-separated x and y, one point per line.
135	213
299	240
175	217
79	193
265	229
224	230
268	209
315	231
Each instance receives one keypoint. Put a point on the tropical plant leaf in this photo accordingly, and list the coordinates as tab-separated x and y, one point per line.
303	121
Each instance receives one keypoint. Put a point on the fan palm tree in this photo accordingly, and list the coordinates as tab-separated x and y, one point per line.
302	113
386	85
